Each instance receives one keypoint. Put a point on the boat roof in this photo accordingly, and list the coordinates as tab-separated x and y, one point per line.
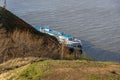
39	28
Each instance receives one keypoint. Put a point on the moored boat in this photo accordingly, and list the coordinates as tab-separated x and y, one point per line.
63	38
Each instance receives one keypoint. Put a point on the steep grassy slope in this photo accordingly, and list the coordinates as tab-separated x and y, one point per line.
19	39
65	70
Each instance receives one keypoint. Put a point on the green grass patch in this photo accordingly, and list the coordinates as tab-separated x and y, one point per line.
92	77
34	71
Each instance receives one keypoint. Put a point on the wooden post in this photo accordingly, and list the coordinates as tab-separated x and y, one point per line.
62	52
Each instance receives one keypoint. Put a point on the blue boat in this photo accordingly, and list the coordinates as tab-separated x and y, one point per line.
66	39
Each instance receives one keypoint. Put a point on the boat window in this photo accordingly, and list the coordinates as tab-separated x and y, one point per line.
79	46
70	39
62	33
42	28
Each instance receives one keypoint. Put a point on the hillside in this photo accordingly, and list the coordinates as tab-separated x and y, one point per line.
65	70
18	39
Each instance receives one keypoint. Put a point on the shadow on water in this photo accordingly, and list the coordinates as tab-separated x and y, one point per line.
98	54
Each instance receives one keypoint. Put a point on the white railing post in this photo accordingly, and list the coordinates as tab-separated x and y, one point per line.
4	4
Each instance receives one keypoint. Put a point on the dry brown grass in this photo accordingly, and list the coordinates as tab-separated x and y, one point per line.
23	44
18	62
78	70
11	74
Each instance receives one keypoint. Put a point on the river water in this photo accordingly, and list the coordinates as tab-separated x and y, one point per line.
95	22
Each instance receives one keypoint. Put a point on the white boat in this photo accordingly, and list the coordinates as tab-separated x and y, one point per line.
66	39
